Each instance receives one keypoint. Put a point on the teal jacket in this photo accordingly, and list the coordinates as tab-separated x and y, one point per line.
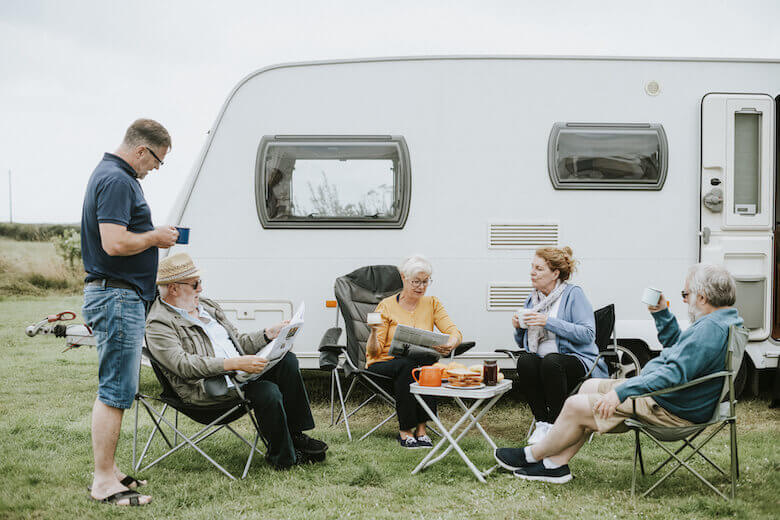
574	329
697	352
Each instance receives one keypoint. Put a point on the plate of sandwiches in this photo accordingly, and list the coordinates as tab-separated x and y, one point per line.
462	378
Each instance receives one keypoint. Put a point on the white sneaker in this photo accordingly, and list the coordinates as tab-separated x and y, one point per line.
540	432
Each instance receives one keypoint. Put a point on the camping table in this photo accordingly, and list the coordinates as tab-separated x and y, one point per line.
483	397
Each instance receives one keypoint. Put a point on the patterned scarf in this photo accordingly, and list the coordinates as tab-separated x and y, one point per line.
542	304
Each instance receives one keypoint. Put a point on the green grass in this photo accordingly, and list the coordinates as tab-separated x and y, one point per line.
35	269
45	459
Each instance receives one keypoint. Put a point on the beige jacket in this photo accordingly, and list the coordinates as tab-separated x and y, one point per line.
184	349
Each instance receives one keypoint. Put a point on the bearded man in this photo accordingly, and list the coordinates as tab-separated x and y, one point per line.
603	405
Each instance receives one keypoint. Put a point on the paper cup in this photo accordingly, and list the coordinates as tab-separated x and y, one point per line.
651	296
374	318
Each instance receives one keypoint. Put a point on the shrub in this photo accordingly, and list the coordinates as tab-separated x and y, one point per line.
34	232
68	246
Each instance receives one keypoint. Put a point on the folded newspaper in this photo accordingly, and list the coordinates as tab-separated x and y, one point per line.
416	343
281	345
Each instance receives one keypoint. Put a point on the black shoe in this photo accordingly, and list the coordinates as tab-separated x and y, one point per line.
423	441
307	445
408	443
510	458
537	471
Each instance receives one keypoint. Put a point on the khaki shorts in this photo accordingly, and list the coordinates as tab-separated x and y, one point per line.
647	410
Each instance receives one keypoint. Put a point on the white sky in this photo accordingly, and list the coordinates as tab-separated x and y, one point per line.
74	74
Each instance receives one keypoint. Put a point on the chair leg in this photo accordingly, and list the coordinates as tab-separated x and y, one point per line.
135	432
332	393
342	402
639	452
633	470
734	459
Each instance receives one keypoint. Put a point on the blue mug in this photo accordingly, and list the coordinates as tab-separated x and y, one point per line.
184	235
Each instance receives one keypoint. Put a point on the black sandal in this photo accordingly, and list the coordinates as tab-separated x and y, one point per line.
128	480
132	496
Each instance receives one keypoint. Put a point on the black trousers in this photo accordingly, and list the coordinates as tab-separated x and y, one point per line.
410	413
281	405
546	382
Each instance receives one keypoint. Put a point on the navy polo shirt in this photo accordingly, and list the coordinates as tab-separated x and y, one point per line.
114	196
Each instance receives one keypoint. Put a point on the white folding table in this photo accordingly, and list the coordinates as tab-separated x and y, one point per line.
484	399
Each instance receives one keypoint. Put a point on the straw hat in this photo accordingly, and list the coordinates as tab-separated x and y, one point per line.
176	268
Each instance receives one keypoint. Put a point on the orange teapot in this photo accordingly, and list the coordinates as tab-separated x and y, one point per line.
429	375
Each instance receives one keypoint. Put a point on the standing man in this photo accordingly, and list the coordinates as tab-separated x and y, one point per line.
119	246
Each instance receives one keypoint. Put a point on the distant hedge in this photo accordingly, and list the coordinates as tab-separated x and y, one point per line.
34	232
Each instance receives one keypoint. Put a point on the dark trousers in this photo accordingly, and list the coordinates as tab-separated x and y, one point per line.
281	405
546	382
410	413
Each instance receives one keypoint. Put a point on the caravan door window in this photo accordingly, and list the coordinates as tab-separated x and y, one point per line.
595	156
333	182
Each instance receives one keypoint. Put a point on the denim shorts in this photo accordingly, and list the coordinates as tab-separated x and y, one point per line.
117	318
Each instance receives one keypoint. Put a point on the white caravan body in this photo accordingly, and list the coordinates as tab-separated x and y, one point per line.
477	136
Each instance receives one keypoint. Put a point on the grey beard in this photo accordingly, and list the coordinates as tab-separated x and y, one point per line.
694	313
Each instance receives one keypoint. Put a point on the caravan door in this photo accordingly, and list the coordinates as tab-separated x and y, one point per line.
737	198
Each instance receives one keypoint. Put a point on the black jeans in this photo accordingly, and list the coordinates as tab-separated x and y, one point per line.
281	405
410	413
546	382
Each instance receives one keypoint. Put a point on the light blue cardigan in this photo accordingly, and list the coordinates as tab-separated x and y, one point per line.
574	329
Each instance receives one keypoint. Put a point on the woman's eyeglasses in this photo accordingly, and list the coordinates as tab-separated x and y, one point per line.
421	283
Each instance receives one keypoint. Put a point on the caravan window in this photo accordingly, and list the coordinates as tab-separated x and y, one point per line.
607	156
333	182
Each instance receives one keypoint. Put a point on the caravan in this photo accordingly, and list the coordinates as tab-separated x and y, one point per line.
643	166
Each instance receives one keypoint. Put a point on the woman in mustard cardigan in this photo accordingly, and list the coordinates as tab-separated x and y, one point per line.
409	307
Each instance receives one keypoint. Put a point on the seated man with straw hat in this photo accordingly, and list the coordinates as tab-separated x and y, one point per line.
193	340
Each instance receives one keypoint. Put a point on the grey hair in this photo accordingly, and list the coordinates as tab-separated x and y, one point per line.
713	282
147	132
415	264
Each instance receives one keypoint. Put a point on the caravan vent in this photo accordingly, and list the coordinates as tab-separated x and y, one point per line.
507	296
522	236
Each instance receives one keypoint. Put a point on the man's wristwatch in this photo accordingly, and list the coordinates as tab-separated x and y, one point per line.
265	337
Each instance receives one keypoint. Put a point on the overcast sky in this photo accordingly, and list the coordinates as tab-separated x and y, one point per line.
74	74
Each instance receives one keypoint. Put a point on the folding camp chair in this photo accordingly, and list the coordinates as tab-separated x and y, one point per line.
724	414
213	417
620	361
357	294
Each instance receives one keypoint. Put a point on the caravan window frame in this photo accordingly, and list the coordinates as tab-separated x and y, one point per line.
560	182
401	183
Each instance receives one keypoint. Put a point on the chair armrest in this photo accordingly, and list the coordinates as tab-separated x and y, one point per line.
330	339
337	349
463	347
697	381
510	353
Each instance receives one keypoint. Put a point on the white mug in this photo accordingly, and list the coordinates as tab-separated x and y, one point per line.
374	318
651	296
521	313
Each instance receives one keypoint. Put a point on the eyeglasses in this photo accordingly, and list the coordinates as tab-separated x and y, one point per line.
154	155
421	283
685	294
195	285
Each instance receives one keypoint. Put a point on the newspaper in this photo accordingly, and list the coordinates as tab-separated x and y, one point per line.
279	346
412	342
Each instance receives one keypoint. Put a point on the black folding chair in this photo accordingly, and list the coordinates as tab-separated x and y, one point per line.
620	361
213	417
357	294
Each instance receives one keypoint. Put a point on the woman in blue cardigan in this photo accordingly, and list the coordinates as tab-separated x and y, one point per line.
557	332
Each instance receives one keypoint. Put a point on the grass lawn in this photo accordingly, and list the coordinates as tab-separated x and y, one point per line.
45	459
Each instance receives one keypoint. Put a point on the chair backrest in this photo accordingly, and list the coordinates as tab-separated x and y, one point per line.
167	389
357	294
605	324
737	341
